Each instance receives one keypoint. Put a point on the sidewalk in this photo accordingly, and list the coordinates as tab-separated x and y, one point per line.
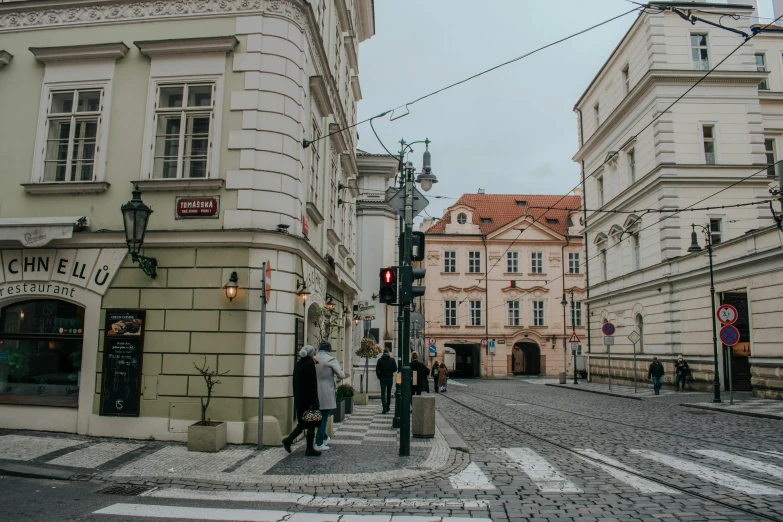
643	392
764	408
364	453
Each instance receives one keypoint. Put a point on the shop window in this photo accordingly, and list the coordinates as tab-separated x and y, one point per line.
41	353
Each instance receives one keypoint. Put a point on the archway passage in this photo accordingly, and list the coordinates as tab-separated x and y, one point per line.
526	358
467	360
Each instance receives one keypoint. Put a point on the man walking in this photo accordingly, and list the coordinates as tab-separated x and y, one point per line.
681	372
656	373
326	368
385	370
434	373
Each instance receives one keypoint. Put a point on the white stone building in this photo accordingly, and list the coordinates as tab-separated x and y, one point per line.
703	152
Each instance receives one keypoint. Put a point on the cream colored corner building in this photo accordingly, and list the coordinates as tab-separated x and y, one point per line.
185	99
710	150
498	267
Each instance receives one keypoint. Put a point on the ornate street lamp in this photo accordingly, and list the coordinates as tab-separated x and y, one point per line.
426	178
695	249
302	291
231	286
135	217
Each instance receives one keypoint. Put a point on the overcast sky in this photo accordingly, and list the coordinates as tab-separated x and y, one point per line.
512	130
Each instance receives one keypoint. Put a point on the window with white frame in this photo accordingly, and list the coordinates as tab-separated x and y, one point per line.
576	314
708	134
184	114
632	165
512	261
573	262
716	232
700	55
599	186
449	261
603	266
513	318
474	262
637	251
538	313
73	121
626	80
761	66
769	154
475	313
537	262
315	167
450	312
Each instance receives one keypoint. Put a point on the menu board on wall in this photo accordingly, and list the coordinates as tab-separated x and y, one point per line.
123	348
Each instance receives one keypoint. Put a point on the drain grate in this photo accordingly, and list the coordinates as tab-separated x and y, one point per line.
128	490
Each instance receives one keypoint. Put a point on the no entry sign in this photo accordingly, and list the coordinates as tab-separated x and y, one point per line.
729	335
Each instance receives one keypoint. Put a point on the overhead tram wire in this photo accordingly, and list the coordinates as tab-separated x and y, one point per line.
306	143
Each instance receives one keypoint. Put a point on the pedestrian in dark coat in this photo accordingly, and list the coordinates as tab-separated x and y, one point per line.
656	372
305	398
435	371
385	369
681	372
422	384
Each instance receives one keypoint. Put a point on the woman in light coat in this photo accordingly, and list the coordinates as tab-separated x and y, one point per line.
327	369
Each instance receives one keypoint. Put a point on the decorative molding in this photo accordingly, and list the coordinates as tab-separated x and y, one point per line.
320	94
450	288
475	288
314	214
350	51
338	138
75	187
332	236
357	89
210	44
5	58
343	15
351	171
343	251
600	238
615	230
164	185
113	51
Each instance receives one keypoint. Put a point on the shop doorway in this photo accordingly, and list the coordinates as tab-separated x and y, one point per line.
526	358
41	353
467	360
740	361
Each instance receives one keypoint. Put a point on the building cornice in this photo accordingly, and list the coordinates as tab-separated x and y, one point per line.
365	19
343	15
350	51
356	87
210	44
107	51
5	58
320	94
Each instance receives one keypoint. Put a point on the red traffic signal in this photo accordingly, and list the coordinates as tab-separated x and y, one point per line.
387	276
388	291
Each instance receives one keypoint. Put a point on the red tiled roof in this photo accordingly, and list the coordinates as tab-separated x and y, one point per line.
503	209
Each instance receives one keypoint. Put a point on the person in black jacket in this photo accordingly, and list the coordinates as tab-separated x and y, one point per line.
385	370
656	372
681	371
305	398
434	373
422	372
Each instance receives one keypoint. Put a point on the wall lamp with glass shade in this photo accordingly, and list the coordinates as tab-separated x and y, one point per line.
232	287
356	320
135	217
302	291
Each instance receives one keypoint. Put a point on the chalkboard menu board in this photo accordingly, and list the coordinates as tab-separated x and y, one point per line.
122	352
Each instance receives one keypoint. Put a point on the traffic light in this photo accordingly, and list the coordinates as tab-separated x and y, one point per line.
408	291
417	245
388	291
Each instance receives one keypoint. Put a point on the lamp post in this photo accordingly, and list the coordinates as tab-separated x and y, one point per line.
135	217
695	249
573	328
565	333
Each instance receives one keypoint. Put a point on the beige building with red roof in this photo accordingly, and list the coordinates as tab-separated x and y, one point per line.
498	269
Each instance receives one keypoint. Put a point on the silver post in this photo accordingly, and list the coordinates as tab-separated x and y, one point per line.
262	354
731	381
609	364
634	367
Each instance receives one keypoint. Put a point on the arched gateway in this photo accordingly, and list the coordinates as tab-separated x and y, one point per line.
526	358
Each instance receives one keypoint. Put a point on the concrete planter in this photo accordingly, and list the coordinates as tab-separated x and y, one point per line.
348	405
339	412
361	399
207	438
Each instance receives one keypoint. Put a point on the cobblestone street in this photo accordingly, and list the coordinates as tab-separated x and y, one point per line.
535	453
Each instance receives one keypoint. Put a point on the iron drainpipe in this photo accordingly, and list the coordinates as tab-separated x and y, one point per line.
587	258
486	300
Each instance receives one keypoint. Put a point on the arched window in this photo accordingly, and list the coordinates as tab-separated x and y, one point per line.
462	219
41	353
639	323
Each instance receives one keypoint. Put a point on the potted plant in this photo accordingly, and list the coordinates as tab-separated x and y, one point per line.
345	395
368	349
207	435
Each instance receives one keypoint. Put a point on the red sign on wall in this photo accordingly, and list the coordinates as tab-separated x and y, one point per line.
305	225
201	207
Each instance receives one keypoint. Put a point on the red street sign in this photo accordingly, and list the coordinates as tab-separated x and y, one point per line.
729	335
268	281
727	314
200	207
574	339
305	225
608	329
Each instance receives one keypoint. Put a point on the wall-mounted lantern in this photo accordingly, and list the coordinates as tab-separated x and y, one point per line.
231	286
302	291
135	217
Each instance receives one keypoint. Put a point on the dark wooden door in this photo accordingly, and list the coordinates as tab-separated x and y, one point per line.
740	361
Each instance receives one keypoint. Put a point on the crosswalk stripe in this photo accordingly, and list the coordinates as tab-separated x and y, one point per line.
545	477
610	466
743	462
714	476
258	515
770	453
471	478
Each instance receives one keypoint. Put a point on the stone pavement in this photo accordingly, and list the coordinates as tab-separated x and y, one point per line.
643	391
766	408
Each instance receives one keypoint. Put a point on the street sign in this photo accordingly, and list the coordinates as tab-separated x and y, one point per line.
268	281
634	337
574	347
609	341
492	344
433	350
727	314
729	335
397	202
432	340
575	339
483	342
501	341
366	311
608	329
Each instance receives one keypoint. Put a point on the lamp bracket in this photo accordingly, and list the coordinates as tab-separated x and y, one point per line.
148	265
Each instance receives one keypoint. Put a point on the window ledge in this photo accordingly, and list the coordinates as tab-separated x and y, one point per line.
162	185
314	213
211	44
512	273
332	236
474	326
512	326
70	187
450	273
449	326
113	51
536	273
343	251
475	273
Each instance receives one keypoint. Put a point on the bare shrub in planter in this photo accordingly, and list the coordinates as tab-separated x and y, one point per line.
207	435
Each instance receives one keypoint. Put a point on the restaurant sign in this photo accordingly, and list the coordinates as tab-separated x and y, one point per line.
197	207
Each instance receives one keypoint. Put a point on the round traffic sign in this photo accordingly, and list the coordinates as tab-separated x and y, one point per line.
483	342
727	314
608	329
432	340
729	335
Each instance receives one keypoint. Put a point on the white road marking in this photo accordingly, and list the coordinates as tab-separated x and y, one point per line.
456	383
545	477
743	462
95	455
712	475
311	501
610	467
471	478
776	454
516	404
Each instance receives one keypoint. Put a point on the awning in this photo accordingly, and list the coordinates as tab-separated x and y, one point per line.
38	231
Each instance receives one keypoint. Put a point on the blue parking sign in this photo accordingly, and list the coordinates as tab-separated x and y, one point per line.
433	350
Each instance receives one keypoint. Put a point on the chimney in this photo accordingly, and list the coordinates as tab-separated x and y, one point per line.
426	223
481	191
